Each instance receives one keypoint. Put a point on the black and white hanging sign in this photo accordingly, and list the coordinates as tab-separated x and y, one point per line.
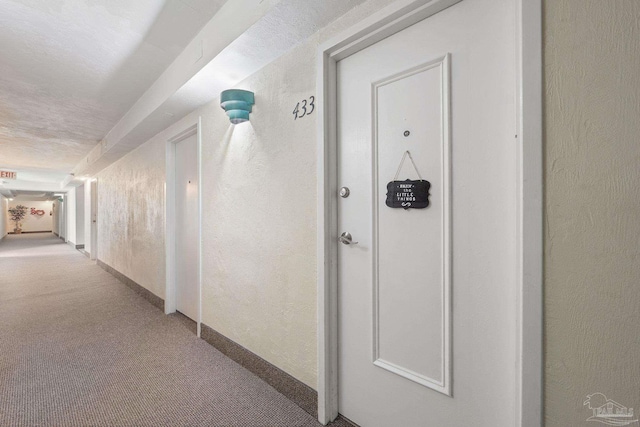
408	194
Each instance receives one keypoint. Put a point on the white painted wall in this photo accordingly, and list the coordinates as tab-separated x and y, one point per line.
55	219
4	216
71	216
259	222
131	216
58	222
34	222
259	243
592	250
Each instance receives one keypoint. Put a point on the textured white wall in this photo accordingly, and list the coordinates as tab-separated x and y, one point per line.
4	205
55	219
71	216
131	217
259	242
260	199
34	222
259	186
592	250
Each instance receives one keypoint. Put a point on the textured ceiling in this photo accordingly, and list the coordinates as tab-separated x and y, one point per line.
70	69
286	24
289	23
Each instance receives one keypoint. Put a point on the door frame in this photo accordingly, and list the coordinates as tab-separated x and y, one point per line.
62	226
93	218
529	198
170	221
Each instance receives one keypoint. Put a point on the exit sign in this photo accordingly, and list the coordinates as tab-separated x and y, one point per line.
7	174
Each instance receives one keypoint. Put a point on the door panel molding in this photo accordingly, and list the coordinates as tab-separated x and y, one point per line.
442	196
390	20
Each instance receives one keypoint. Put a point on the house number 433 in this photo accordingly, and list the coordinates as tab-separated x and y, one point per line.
304	108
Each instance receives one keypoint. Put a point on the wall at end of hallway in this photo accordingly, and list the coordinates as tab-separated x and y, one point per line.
592	250
131	216
33	222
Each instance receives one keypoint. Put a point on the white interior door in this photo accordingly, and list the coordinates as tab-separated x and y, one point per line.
426	298
186	227
93	254
79	225
62	226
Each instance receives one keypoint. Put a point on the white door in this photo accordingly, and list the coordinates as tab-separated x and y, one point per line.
426	298
93	254
186	190
62	225
80	215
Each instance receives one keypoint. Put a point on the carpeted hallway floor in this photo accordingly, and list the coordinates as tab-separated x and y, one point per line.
79	348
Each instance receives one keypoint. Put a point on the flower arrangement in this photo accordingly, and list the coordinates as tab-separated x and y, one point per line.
16	215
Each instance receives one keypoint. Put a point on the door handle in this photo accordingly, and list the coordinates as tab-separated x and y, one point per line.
346	239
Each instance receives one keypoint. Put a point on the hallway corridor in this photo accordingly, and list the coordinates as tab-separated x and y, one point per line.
78	347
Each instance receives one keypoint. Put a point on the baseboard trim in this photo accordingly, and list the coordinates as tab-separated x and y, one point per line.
137	288
74	246
295	390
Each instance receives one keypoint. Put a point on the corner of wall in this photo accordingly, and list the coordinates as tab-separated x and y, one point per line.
4	217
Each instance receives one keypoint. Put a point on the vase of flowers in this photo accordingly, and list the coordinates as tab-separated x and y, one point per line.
16	215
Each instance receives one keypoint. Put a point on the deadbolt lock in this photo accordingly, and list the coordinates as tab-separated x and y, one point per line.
344	192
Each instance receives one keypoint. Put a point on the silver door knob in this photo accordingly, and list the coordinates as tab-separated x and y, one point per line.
346	239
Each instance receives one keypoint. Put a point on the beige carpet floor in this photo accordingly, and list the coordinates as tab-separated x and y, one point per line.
79	348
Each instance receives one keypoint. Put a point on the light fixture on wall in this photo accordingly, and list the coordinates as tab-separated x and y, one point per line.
237	103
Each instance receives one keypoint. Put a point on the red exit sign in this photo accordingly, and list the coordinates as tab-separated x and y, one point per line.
7	174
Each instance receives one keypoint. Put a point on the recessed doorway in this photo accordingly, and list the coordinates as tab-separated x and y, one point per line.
183	227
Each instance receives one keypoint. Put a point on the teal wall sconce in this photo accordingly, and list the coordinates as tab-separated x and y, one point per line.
237	103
